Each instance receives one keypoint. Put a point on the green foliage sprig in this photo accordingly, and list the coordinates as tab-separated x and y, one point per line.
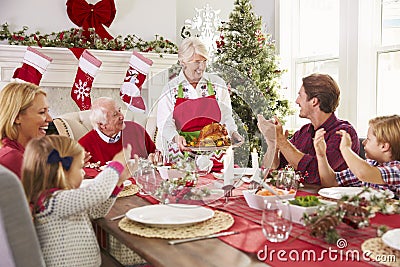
351	210
75	38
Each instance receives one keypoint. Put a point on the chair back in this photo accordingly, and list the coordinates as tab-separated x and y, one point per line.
362	151
16	225
77	124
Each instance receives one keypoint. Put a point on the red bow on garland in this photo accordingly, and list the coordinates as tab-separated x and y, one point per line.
87	15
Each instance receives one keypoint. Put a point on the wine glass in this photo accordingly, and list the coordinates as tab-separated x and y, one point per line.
147	179
276	220
286	180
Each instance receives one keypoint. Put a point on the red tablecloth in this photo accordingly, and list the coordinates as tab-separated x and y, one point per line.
300	249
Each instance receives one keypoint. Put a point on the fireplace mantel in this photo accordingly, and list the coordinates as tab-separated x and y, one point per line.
61	71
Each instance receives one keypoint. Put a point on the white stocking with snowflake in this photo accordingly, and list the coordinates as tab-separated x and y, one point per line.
80	92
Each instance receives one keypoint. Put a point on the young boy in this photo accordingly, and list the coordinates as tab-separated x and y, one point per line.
380	170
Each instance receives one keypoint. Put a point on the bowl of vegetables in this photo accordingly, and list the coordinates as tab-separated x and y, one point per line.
301	205
256	198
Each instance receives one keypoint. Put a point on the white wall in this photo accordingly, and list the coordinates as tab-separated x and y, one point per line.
263	8
145	18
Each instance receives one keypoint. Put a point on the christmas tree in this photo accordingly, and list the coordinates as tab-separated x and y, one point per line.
246	59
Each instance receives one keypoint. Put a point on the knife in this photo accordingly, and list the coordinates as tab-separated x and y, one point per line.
180	241
117	217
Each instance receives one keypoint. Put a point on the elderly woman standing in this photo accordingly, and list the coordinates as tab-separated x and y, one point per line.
194	99
24	115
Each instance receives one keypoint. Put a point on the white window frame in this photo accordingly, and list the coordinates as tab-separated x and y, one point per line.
359	46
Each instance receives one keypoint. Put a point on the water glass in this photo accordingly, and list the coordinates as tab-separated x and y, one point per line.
203	164
276	221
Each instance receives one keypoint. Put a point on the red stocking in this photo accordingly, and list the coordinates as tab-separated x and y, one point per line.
135	76
80	93
33	66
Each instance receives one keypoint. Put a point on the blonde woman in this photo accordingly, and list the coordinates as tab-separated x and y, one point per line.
24	115
62	210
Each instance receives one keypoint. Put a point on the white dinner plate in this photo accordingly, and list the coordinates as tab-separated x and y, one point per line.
167	173
171	215
392	238
339	192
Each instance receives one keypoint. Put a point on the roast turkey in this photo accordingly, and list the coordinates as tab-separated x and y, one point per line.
213	134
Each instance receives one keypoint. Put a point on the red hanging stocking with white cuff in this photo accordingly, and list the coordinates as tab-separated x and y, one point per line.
135	76
33	66
80	92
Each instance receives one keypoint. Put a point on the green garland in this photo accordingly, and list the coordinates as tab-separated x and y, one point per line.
75	38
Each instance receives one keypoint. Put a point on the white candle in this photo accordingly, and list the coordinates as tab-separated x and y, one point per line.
228	166
254	159
255	165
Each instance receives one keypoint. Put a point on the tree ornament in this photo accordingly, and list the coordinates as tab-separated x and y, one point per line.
323	225
355	216
354	211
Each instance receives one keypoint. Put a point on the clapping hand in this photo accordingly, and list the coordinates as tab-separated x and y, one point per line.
319	143
267	128
124	157
88	156
345	141
237	139
156	158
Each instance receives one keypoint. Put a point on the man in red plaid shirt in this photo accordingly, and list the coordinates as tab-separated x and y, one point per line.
318	99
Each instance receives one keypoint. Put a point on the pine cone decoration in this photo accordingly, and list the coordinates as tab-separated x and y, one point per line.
323	225
355	216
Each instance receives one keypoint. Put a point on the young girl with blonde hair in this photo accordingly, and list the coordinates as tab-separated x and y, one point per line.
52	174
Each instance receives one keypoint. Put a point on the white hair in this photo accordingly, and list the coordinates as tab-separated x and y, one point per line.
191	46
98	112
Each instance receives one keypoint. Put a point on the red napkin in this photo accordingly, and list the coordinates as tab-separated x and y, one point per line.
149	198
90	173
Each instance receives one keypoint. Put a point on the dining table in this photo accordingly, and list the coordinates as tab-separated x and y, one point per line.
248	247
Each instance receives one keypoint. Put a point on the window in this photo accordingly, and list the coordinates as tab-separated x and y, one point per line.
390	22
315	44
356	42
388	57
